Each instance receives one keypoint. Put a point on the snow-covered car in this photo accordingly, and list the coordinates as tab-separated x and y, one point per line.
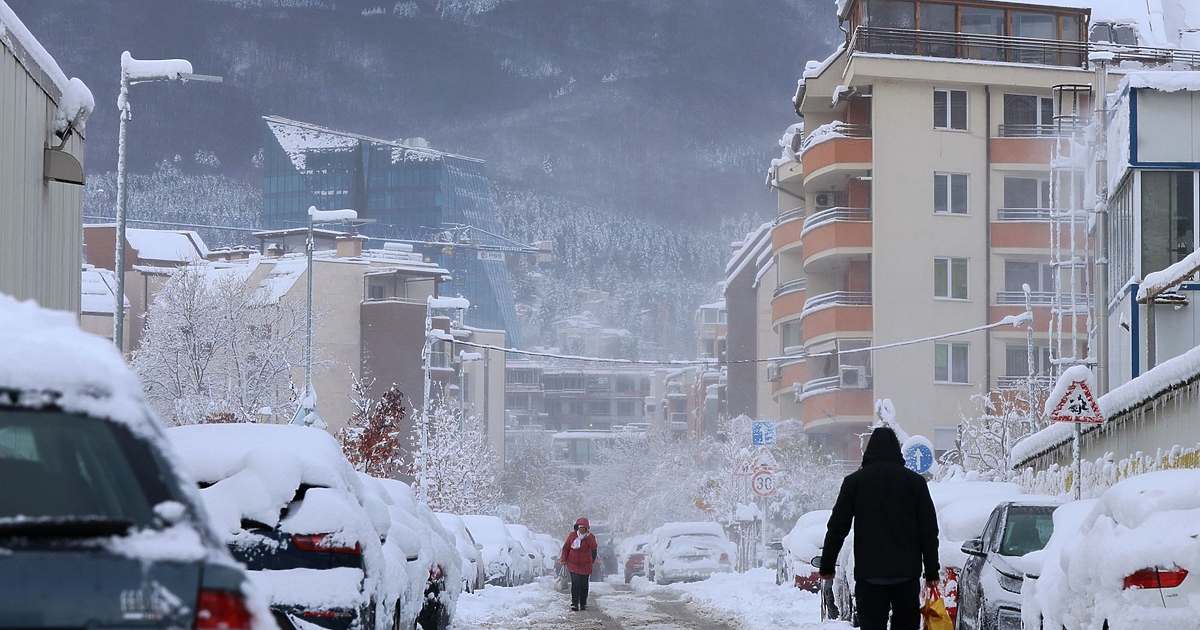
1148	575
291	508
533	549
437	571
688	552
98	525
490	532
631	555
522	559
989	585
1041	575
800	546
474	577
551	551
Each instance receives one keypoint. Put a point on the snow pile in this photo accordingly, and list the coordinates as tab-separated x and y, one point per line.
824	133
752	599
297	140
1149	520
321	589
75	102
805	541
527	606
98	291
1158	281
153	69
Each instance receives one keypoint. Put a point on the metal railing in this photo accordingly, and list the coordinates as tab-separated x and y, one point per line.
836	298
1019	382
1026	50
835	129
857	215
821	384
1038	298
799	284
1052	130
1025	214
790	215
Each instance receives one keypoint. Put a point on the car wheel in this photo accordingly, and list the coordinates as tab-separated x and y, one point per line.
628	577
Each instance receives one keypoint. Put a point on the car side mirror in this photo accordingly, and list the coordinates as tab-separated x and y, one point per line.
776	546
479	546
974	547
412	558
532	557
815	561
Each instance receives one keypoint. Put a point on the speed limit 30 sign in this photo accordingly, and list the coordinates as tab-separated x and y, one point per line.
763	483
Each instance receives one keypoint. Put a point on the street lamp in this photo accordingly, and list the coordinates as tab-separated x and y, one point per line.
306	412
134	71
432	336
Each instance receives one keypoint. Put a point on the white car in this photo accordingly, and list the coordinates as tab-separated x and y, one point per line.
532	547
1041	572
522	559
800	546
1148	575
689	552
490	532
551	552
474	576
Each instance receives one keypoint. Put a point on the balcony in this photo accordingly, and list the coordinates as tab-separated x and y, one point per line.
825	401
1021	382
835	314
838	148
836	232
679	421
975	46
1040	298
785	234
1026	215
792	286
1058	130
790	215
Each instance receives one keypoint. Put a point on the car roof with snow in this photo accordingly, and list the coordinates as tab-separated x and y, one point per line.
703	528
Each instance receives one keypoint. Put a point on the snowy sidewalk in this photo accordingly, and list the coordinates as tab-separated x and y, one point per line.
748	601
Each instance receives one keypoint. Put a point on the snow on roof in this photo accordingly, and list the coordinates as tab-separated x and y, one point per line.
1162	80
45	351
282	277
751	247
448	302
671	530
181	246
1159	281
1159	379
74	99
98	291
720	304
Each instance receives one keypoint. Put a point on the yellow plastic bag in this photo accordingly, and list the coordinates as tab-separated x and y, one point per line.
933	612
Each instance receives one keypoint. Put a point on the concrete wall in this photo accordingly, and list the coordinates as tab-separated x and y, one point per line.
741	305
40	238
768	346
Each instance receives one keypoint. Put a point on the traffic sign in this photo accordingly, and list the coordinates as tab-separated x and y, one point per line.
762	433
743	468
763	483
918	454
1076	403
764	460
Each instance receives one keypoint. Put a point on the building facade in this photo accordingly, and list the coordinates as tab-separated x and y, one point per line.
749	338
569	398
412	193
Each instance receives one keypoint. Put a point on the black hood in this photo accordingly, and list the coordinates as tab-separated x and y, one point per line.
883	447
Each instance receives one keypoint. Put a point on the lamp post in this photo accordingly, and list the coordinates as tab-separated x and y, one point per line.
134	71
432	336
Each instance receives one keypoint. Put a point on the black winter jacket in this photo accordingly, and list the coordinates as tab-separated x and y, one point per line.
895	525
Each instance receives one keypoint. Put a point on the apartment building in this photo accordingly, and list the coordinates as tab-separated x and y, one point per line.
566	397
749	338
914	202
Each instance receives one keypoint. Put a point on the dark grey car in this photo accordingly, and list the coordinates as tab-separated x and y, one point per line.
97	531
989	585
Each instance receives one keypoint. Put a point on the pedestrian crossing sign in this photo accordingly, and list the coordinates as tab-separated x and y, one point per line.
1077	405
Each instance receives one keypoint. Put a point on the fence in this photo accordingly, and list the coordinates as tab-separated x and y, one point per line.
1100	474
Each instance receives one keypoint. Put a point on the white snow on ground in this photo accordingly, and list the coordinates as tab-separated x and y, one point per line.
517	607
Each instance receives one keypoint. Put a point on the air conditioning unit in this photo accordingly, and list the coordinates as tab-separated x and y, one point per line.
824	200
774	373
829	200
854	377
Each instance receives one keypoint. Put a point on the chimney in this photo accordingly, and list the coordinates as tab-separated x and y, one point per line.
350	245
274	250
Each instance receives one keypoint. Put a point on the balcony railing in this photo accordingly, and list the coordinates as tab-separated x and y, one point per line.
856	215
1020	382
679	421
821	384
790	215
835	129
1025	214
799	284
1027	50
1040	298
1055	130
836	298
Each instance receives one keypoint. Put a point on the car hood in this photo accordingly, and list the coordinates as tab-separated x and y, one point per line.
76	588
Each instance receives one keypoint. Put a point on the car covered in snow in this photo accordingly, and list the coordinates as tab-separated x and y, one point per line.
799	548
1040	577
291	508
532	548
98	525
631	555
491	532
989	584
689	551
474	577
551	550
1148	575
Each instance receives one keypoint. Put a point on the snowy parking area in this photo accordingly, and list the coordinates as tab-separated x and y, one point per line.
733	601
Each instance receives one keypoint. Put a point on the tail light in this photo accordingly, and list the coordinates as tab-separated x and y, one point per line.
221	610
1156	578
323	542
435	573
724	557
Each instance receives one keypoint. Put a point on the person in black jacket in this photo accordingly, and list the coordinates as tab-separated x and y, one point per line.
895	536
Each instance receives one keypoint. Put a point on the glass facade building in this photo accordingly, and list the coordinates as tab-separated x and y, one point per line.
412	193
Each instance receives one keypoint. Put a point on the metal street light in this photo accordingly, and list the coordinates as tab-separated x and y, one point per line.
306	412
134	71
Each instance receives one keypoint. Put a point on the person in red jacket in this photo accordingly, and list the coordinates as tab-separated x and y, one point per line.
578	553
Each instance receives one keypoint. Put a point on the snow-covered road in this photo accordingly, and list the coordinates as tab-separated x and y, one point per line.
749	601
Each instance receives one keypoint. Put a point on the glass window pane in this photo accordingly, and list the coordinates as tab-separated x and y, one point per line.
1021	192
941	282
958	109
1167	224
891	14
1016	360
1020	109
1047	113
940	192
941	362
937	17
1019	272
958	275
1034	24
958	362
940	110
1070	28
958	194
983	21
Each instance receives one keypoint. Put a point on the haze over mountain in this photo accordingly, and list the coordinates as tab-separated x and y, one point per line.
660	108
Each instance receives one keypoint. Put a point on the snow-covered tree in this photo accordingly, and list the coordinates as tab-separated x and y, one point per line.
460	468
548	495
371	439
1005	418
215	348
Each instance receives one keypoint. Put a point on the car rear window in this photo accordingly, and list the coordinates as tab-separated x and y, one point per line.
1027	530
56	466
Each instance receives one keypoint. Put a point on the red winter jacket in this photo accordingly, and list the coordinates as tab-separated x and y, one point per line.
579	561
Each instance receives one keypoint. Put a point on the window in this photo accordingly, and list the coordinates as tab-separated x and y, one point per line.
983	21
892	14
949	193
1016	360
1113	33
598	408
1034	24
1168	199
1028	193
949	109
944	439
1039	276
1027	115
950	278
626	408
375	292
789	335
950	363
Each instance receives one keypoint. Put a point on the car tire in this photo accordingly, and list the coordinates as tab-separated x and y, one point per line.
628	577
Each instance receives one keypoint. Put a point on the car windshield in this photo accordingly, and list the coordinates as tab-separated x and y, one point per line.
61	469
1027	530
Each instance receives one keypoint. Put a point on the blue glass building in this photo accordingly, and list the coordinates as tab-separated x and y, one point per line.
412	193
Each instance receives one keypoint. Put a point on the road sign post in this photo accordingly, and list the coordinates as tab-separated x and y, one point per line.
762	433
763	483
1072	401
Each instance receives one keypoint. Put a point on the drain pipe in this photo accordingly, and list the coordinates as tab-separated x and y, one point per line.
987	232
1100	272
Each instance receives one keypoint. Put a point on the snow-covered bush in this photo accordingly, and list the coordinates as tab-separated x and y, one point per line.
461	470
